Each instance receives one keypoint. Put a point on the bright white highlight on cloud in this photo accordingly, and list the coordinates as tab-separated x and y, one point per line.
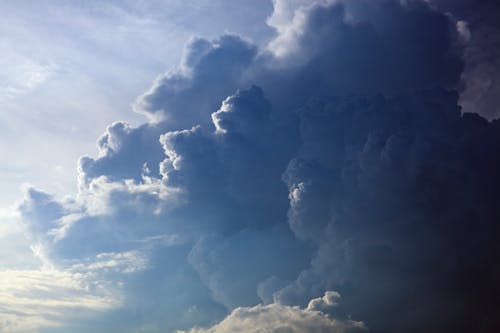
275	318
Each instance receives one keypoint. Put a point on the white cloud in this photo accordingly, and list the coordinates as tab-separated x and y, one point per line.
24	76
30	299
151	195
277	318
123	262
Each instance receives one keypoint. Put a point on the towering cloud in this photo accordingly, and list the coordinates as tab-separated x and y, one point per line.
334	161
384	188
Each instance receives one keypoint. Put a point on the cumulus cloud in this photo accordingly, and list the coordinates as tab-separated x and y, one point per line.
335	158
383	187
369	41
210	71
274	318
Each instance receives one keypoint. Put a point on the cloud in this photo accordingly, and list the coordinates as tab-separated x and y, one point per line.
28	75
49	297
274	318
478	21
393	42
215	258
209	72
383	187
335	158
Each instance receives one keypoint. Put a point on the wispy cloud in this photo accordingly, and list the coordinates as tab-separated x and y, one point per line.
30	299
24	77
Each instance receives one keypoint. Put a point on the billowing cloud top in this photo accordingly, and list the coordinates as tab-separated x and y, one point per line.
328	182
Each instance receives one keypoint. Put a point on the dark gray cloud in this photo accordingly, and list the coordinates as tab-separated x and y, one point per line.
480	22
336	159
374	47
401	205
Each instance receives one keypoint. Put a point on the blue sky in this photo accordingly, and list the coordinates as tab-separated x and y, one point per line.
249	166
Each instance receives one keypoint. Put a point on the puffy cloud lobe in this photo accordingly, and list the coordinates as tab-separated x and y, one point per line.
275	318
210	72
370	47
123	152
245	113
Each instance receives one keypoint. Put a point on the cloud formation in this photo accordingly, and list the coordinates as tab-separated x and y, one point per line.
334	161
275	318
45	298
384	188
478	22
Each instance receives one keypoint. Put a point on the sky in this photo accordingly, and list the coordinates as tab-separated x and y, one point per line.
70	68
249	166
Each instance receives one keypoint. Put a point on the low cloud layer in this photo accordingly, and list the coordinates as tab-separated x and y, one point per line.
334	161
274	318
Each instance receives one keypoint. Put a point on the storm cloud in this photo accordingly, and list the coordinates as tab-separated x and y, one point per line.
478	23
269	181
